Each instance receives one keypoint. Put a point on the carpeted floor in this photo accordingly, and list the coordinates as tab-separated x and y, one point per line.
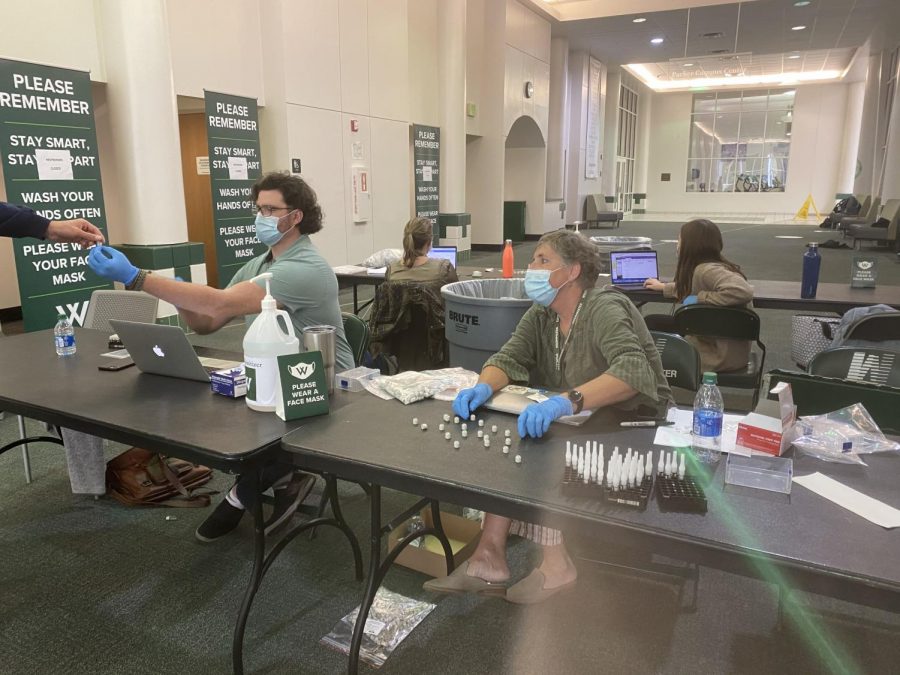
92	587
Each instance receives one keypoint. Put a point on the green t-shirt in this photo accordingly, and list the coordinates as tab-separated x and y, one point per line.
608	336
305	286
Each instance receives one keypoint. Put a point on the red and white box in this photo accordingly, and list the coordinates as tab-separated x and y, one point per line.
767	429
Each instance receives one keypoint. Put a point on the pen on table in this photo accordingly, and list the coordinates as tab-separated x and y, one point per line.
646	423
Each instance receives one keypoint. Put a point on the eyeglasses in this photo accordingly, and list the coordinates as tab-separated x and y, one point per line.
270	210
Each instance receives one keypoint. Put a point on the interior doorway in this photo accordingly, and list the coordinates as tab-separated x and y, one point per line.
198	188
525	169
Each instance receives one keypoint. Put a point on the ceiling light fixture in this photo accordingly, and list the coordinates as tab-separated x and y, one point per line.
641	71
687	65
640	19
798	27
801	3
656	41
794	56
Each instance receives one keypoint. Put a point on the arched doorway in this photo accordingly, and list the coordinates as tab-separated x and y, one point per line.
525	168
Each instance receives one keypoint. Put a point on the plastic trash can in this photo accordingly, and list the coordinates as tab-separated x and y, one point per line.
608	244
479	317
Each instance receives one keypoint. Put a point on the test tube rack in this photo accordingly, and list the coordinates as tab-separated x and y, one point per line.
680	494
636	497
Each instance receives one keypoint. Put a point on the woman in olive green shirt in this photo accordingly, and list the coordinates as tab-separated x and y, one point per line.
590	343
416	265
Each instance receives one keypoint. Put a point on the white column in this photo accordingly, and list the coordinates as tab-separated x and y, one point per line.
866	152
856	93
556	126
452	90
143	112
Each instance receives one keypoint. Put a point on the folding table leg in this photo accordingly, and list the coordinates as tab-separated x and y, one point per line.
26	458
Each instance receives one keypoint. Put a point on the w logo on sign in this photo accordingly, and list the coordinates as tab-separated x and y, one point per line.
871	367
75	313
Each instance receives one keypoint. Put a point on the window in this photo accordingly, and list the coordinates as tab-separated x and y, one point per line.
740	141
625	148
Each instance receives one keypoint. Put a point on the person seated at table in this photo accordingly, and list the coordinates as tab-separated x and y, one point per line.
415	264
703	275
302	283
590	343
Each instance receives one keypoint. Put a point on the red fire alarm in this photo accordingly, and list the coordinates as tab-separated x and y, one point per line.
354	125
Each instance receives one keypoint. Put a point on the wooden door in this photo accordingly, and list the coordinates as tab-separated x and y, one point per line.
197	189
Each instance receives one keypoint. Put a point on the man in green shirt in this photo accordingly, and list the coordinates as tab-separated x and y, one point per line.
593	345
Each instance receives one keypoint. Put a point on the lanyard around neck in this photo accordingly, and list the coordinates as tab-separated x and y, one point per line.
558	353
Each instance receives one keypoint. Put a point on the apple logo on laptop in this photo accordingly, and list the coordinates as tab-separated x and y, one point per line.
158	351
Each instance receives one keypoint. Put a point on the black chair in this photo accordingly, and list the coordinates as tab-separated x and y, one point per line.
730	323
680	361
875	327
357	333
859	364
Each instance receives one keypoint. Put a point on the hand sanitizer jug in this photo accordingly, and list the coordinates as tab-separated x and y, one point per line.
264	342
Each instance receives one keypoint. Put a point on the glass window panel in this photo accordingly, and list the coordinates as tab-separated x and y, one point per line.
748	175
705	103
778	124
781	99
722	175
697	175
755	101
728	102
702	136
753	127
727	127
780	149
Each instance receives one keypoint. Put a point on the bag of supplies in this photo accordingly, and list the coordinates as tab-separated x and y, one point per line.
809	336
139	477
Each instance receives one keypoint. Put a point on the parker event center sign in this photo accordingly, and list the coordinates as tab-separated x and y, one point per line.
232	132
427	167
49	146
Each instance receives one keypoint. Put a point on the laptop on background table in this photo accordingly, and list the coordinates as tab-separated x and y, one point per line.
166	350
444	253
514	398
630	269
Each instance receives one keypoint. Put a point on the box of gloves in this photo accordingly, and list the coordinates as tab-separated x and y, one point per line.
229	382
426	553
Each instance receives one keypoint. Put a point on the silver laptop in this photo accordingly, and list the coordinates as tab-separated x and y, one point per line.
630	269
444	253
514	399
165	350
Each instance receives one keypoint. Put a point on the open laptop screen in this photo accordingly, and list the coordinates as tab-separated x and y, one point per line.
445	253
633	267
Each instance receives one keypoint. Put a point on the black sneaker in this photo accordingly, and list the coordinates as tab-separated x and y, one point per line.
220	522
288	497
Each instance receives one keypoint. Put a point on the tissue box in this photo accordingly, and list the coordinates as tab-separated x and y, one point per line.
231	382
768	428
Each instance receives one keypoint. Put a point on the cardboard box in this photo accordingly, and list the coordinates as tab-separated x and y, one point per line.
768	428
230	382
434	564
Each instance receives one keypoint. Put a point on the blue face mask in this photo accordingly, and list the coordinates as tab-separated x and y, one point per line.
538	288
267	229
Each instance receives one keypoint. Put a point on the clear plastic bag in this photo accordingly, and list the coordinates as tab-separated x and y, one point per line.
391	618
413	386
841	436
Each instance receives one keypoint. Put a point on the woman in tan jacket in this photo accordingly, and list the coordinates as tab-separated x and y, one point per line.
703	275
416	265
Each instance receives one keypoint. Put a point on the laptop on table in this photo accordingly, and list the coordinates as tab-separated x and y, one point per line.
166	350
444	253
630	269
514	398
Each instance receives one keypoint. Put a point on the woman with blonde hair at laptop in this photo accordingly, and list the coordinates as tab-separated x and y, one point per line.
703	275
590	343
415	264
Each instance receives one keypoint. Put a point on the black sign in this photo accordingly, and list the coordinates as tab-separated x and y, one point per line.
427	167
863	271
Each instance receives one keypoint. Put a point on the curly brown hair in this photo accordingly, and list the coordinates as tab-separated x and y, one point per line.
297	194
574	248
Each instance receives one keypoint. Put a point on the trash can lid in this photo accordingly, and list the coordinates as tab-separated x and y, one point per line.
490	292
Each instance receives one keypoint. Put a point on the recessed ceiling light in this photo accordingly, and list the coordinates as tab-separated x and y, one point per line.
798	27
728	75
794	56
787	133
801	3
656	41
640	19
687	65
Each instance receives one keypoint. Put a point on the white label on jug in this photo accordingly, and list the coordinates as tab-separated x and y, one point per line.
265	369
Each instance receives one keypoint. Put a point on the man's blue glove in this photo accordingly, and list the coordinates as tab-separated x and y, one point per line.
535	419
468	400
111	264
690	300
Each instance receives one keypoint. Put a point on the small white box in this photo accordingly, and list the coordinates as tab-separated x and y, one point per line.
352	380
768	428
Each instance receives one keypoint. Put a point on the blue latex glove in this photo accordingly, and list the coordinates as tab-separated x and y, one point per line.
468	400
111	264
535	419
690	300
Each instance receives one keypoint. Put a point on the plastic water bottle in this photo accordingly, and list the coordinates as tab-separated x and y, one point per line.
812	261
708	413
64	336
508	261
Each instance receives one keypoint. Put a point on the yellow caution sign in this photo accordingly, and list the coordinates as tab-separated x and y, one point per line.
803	213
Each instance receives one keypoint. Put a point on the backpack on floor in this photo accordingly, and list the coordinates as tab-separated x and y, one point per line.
139	477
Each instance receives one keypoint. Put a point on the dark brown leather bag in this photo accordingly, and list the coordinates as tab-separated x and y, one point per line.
139	477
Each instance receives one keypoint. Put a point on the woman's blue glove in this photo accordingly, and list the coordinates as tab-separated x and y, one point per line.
690	300
111	264
468	400
535	419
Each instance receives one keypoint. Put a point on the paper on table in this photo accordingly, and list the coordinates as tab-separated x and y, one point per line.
852	500
679	434
349	269
376	271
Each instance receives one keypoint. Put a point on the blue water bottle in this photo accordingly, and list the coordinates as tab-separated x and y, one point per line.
812	261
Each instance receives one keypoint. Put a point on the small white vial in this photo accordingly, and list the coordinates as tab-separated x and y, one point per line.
480	422
518	459
415	421
456	444
487	442
661	467
493	428
472	419
681	468
441	426
424	427
447	435
508	441
568	452
455	420
506	433
648	469
446	417
480	433
463	426
505	449
465	434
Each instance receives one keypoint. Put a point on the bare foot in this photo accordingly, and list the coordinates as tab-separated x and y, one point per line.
557	567
487	567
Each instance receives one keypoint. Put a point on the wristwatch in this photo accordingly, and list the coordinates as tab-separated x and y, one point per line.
577	399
